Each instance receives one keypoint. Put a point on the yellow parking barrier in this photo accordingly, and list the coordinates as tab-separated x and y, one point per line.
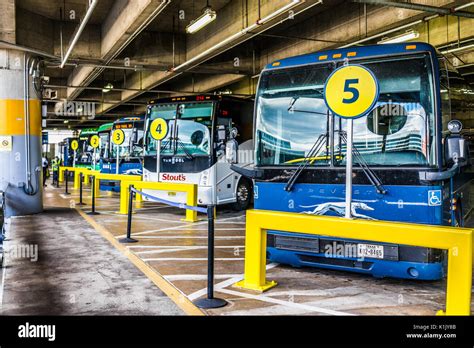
113	177
86	172
62	170
189	189
458	242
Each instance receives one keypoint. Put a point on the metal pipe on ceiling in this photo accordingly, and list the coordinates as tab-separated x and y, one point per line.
458	49
79	31
55	101
130	90
153	15
419	7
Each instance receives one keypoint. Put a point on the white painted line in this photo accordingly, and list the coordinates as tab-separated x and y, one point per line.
139	217
176	277
184	247
4	277
166	228
283	303
191	259
195	295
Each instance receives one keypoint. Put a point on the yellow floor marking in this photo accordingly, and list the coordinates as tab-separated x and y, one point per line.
169	289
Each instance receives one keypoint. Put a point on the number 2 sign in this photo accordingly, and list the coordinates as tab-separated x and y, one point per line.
351	91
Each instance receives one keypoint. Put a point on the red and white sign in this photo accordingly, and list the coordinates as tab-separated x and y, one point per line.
173	177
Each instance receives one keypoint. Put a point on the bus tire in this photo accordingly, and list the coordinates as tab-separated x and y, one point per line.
243	195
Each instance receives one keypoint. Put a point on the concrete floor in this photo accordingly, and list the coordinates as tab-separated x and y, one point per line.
176	252
76	272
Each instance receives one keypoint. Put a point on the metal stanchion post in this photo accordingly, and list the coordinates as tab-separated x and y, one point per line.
93	212
81	178
66	174
210	301
129	238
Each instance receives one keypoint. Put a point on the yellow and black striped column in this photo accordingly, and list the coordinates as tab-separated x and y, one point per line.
20	137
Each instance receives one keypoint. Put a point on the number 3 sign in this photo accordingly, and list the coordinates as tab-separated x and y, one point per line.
351	91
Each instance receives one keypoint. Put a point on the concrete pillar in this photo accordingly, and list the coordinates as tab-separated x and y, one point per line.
20	136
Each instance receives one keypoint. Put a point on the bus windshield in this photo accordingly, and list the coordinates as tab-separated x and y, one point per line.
129	148
292	115
104	145
189	127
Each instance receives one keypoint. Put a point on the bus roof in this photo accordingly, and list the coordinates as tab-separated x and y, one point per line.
339	54
191	98
105	127
88	131
129	119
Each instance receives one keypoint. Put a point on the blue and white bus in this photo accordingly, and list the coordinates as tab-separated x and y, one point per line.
130	152
409	165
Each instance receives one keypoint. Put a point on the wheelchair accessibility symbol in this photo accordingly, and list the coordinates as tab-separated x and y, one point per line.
434	198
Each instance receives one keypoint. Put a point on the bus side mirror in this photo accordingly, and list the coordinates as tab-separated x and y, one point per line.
231	151
221	136
134	137
456	151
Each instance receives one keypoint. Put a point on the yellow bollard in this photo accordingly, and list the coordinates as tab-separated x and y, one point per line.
76	179
191	200
61	174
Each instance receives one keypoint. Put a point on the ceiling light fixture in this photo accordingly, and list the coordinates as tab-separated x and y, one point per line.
207	17
409	35
107	88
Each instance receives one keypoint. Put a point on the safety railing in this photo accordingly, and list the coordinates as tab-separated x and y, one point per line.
190	190
210	301
457	241
97	177
86	173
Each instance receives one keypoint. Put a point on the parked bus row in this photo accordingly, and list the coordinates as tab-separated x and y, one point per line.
286	151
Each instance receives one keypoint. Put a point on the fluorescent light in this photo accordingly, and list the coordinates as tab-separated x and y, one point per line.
409	35
248	30
207	17
107	88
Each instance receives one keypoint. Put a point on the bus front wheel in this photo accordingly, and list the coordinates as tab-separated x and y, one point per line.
243	195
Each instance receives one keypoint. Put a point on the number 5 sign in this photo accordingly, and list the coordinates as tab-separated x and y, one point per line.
351	91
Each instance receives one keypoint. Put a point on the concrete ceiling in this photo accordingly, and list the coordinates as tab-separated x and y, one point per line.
52	9
146	54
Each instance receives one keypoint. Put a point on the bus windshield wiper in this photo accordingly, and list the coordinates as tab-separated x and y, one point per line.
295	99
315	149
369	173
181	145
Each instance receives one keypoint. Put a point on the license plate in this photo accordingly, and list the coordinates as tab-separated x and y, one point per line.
370	250
171	194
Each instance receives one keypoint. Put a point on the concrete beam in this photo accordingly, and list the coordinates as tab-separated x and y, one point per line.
228	25
125	20
7	21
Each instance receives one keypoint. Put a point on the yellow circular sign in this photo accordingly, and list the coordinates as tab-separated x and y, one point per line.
74	145
118	137
351	91
159	129
95	141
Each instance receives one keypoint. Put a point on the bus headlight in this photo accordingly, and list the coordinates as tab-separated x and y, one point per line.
204	178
